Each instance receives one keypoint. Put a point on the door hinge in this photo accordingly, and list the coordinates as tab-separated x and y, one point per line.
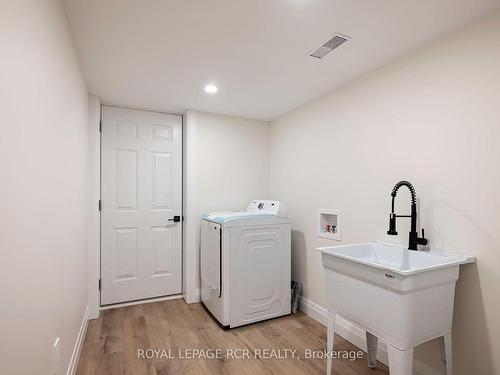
100	284
100	126
100	205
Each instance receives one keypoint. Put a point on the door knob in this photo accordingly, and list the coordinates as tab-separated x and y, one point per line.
175	219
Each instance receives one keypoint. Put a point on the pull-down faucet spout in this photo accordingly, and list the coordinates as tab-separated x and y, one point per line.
414	239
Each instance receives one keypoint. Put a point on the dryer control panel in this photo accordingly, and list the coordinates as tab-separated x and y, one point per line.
268	208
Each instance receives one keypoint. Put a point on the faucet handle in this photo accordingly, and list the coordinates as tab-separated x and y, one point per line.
422	240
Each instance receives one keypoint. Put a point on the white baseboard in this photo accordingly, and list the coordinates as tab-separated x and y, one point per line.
75	356
193	297
356	335
343	328
313	310
141	302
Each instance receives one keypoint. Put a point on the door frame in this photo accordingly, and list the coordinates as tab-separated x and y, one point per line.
94	232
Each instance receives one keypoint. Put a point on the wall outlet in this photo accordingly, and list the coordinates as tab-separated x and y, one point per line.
56	355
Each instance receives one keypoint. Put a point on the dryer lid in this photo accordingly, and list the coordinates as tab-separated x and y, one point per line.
224	216
257	209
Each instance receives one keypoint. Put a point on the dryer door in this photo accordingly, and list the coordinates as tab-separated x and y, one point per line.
259	273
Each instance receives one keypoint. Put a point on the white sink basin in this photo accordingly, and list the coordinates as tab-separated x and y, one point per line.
404	297
396	258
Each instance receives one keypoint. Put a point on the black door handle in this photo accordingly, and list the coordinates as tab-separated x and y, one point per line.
175	219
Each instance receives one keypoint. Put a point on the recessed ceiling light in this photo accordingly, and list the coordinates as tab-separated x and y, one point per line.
211	89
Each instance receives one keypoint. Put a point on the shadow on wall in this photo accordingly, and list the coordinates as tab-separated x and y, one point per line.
470	325
471	341
472	337
299	257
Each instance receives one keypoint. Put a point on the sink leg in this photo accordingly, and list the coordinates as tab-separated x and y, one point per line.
330	333
400	361
446	353
371	348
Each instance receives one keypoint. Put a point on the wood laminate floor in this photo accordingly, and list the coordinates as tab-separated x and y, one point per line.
173	328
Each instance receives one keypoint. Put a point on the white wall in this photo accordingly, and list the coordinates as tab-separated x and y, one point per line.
226	165
94	235
432	118
43	190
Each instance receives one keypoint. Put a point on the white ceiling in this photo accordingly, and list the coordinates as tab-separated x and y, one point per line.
158	55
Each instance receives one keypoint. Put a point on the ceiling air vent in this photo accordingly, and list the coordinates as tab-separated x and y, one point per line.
329	46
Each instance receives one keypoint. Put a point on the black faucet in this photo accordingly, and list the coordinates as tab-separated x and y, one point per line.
414	239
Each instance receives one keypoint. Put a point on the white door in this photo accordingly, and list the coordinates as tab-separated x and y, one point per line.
141	193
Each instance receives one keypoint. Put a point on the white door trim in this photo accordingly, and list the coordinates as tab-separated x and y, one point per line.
141	194
94	232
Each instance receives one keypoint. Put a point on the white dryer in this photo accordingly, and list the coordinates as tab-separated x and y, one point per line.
245	263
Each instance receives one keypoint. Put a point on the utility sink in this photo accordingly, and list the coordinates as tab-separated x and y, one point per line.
404	297
395	258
